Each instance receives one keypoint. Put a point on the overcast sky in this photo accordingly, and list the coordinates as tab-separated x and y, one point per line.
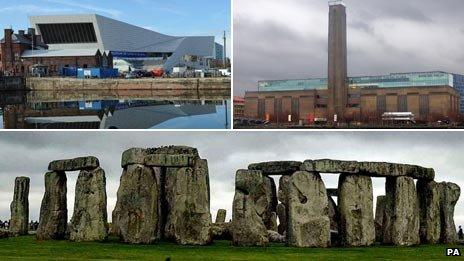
276	39
28	154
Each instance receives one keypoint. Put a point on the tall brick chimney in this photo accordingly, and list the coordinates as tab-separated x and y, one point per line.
7	50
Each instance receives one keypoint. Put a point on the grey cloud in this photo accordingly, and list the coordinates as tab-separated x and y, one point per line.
267	48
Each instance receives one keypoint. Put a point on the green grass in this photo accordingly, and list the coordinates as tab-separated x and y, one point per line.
28	248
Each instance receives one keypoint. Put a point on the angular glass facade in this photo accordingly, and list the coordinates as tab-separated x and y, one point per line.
394	80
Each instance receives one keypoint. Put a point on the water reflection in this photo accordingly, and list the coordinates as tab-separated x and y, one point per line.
115	110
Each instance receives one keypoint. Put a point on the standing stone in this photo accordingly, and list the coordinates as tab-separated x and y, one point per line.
355	203
53	219
248	228
19	223
282	196
308	211
135	217
429	206
273	225
401	223
268	203
187	195
282	214
450	194
379	218
89	221
221	216
334	214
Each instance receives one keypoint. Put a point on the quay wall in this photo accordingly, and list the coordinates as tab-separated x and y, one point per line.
64	84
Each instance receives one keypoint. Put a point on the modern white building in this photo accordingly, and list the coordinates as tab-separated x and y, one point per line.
129	45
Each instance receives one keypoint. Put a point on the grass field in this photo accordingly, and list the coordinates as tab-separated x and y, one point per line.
28	248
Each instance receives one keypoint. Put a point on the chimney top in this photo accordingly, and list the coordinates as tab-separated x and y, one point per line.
21	32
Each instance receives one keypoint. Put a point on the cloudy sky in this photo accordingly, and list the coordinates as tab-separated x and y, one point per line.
174	17
276	39
28	154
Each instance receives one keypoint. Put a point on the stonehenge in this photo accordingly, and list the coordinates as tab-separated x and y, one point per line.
164	195
408	214
19	223
89	220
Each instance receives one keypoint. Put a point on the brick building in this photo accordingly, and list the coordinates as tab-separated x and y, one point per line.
428	104
21	51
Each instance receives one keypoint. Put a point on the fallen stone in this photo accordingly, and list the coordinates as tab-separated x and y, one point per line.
379	218
276	167
89	221
429	206
4	234
373	169
221	216
450	194
135	217
19	222
401	223
221	231
275	237
187	195
308	217
248	228
282	214
82	163
355	204
53	211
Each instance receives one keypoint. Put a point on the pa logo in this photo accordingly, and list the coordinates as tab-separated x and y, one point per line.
453	252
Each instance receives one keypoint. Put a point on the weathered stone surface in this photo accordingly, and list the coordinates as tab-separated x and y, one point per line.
165	160
248	228
221	216
373	169
275	237
429	206
379	218
282	194
135	217
401	223
53	211
89	221
276	167
268	204
19	222
450	194
355	203
221	231
273	223
187	196
282	214
82	163
308	217
133	156
334	214
173	150
332	192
